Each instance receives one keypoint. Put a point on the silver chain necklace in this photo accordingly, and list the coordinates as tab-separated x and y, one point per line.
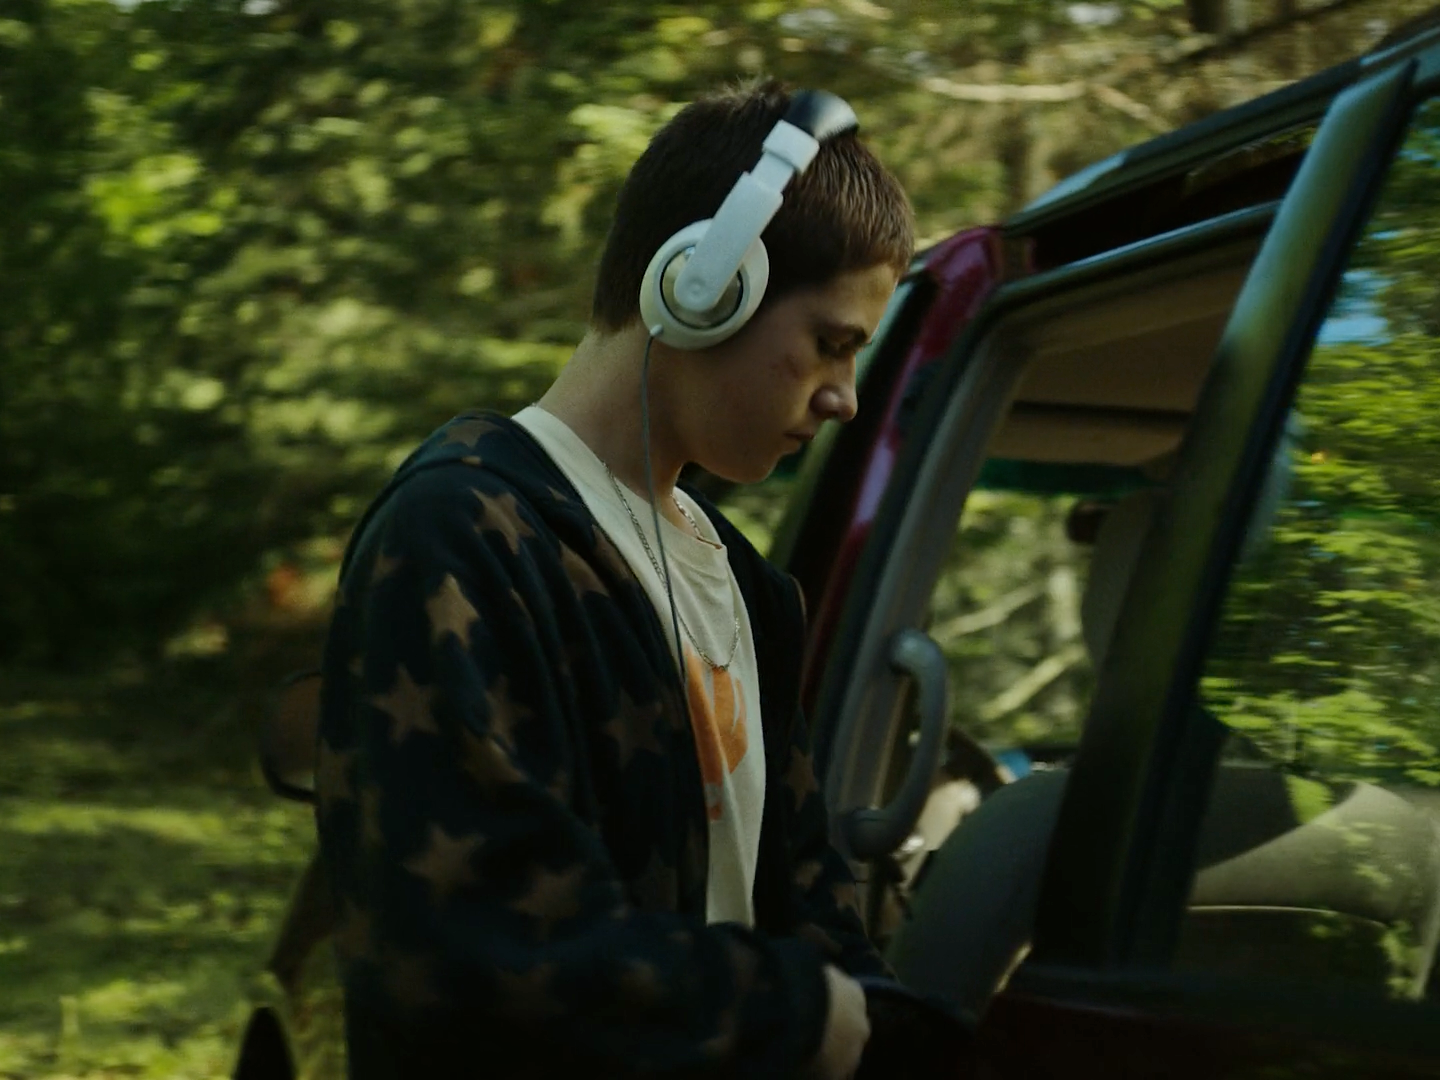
645	543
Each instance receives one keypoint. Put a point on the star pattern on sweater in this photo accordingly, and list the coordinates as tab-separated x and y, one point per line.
581	574
807	872
608	555
450	612
633	728
501	514
504	712
467	432
722	1043
800	777
820	939
519	602
553	896
383	567
487	763
559	786
408	706
446	861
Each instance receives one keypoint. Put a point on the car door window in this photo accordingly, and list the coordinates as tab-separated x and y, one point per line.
1080	393
1006	613
1320	853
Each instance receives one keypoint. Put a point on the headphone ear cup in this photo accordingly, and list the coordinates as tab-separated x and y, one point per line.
671	322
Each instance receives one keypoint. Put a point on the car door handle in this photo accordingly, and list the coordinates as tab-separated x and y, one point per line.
872	833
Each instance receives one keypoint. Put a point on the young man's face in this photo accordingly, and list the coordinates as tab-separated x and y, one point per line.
749	401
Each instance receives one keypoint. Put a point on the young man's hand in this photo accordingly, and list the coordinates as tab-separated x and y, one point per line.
847	1028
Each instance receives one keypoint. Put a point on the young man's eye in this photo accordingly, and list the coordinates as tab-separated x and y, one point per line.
833	350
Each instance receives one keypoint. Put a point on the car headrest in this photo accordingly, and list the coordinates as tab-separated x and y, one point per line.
1122	532
1117	546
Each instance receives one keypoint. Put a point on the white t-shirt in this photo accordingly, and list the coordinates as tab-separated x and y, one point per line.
724	704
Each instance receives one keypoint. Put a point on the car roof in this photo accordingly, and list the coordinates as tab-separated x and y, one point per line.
1196	144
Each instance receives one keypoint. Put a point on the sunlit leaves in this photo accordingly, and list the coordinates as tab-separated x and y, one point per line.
1329	652
259	247
1005	611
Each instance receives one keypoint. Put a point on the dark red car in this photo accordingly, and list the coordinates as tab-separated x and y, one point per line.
1125	600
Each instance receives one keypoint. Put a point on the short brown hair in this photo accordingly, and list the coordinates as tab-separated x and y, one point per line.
846	212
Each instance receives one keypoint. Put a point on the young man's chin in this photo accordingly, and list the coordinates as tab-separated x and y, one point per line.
743	472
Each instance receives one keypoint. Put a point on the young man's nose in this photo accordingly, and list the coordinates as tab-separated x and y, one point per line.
837	401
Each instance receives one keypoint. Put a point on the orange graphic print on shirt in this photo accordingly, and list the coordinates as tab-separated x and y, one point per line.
717	713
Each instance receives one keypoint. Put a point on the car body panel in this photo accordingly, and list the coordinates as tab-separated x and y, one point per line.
1039	1036
952	282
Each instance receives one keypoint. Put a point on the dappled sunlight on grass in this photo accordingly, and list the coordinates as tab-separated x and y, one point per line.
143	872
234	835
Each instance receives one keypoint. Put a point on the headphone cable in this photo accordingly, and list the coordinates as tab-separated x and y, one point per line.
655	507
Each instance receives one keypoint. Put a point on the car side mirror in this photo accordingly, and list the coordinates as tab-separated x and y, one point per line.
289	737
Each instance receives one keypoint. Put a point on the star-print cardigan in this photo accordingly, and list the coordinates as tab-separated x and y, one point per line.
510	803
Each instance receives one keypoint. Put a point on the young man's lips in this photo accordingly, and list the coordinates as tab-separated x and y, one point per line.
800	436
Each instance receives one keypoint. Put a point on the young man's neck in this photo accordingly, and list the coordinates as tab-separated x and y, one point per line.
598	397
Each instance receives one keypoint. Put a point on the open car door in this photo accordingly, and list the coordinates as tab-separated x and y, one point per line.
1235	866
1216	898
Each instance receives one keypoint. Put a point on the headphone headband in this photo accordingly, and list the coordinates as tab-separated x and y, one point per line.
821	115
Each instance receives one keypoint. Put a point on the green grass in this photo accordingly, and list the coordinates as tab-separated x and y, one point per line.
143	870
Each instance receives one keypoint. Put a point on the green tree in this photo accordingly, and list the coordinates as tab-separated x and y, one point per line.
260	247
1327	657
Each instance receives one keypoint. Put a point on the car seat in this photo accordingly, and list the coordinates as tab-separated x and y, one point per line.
1274	894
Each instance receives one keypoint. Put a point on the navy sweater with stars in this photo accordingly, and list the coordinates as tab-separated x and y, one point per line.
510	802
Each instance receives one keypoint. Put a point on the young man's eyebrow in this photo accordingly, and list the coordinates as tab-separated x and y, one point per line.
856	334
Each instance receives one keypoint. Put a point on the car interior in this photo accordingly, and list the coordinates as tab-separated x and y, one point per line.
1274	894
1109	377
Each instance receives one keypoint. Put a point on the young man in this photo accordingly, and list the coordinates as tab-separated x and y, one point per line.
568	829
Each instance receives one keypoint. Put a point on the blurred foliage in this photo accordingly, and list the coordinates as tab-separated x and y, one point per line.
254	249
1327	657
1329	652
1006	614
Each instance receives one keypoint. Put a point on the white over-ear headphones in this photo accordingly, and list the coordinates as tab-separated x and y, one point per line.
707	280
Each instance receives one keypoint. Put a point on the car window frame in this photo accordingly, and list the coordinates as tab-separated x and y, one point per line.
967	394
1118	873
1121	859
